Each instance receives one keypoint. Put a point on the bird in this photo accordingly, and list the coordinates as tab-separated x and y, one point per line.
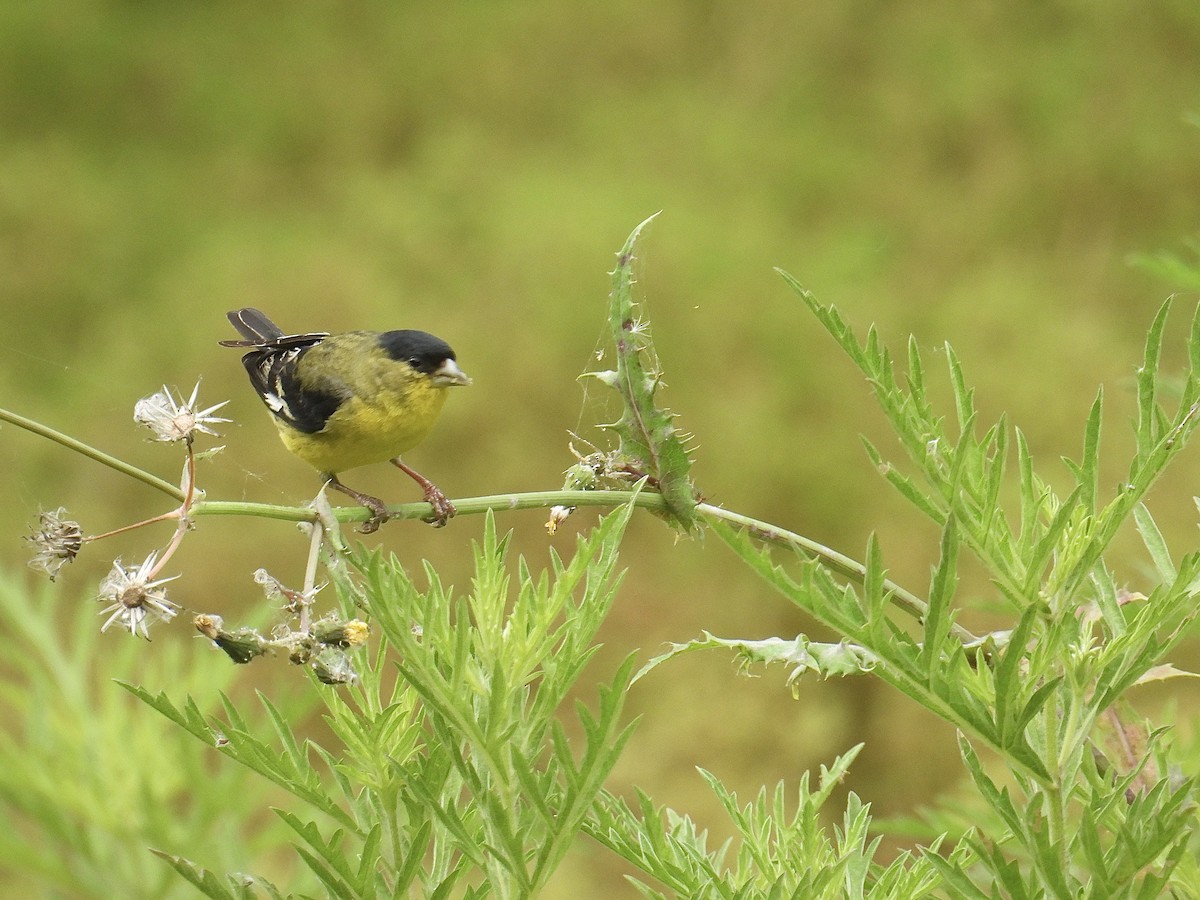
352	399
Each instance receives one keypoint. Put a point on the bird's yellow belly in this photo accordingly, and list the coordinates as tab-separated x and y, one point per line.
359	434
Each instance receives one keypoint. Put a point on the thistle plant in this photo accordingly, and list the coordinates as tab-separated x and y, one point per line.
450	764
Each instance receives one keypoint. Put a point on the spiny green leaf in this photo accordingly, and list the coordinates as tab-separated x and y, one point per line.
956	877
1009	683
1031	500
997	442
327	857
1194	342
189	717
649	443
1040	557
803	655
916	373
998	799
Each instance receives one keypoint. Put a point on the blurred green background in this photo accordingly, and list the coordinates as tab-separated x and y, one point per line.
957	171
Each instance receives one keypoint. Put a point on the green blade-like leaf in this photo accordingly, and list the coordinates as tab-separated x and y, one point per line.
1155	543
1089	469
1148	425
938	616
964	397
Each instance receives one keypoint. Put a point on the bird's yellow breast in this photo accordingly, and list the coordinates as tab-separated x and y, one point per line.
391	409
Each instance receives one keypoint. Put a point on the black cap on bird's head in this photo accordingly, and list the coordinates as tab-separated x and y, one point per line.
425	353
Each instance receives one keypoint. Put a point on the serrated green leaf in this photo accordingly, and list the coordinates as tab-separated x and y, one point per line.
283	731
210	884
906	487
1194	343
1031	502
649	443
916	372
997	799
1040	557
188	718
997	441
956	878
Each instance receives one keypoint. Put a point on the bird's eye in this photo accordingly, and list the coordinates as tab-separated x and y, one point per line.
415	362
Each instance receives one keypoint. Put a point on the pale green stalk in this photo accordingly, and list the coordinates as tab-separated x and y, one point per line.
91	452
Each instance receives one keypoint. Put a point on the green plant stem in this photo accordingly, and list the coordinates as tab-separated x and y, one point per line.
765	531
838	562
771	534
91	452
467	506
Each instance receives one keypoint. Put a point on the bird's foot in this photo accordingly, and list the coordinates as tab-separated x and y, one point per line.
378	509
379	514
443	509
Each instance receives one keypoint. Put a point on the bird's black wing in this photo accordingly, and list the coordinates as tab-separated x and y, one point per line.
272	372
271	365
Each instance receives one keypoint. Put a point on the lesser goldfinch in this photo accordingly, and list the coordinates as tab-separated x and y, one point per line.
347	400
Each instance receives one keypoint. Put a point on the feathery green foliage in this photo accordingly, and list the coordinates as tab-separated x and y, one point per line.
451	767
1082	810
460	774
779	852
88	783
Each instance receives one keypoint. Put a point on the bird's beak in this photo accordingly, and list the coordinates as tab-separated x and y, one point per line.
449	374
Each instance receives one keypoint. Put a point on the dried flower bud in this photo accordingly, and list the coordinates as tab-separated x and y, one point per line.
301	653
332	666
57	540
241	646
208	625
334	633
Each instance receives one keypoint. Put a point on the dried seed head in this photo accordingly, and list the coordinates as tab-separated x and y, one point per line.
174	420
57	539
133	600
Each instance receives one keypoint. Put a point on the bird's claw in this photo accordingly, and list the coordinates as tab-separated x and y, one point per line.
379	515
443	509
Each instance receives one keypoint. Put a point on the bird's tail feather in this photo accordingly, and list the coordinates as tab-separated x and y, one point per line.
253	325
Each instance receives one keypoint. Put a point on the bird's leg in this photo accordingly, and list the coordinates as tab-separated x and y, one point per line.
379	512
443	509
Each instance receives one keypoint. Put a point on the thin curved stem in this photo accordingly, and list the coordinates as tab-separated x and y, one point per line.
844	565
91	452
765	531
